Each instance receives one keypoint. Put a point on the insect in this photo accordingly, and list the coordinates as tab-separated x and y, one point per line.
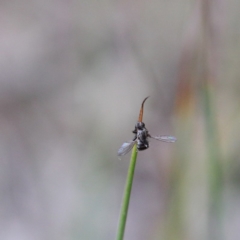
141	136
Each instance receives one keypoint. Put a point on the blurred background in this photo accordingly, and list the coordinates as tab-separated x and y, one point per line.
73	75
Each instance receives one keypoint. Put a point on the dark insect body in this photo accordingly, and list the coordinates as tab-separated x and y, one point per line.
141	135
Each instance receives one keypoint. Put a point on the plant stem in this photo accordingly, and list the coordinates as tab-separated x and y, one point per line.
126	196
215	167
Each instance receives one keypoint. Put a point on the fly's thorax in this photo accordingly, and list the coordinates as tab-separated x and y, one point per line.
142	134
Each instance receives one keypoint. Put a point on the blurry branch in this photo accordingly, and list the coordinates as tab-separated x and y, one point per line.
184	108
199	67
208	53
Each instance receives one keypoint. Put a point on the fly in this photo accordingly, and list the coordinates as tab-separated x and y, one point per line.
141	136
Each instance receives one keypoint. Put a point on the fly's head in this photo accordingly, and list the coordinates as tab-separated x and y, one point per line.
139	127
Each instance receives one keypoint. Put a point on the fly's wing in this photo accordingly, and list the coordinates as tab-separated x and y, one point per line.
169	139
125	148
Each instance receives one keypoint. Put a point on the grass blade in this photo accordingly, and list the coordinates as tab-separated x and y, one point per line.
127	194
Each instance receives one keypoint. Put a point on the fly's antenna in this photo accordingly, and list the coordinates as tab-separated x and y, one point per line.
141	111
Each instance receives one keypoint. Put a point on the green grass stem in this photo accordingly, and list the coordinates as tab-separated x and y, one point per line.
127	194
215	168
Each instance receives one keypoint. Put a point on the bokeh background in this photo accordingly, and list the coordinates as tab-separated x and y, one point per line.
73	75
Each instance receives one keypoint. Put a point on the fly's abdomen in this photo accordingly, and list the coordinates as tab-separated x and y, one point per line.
142	145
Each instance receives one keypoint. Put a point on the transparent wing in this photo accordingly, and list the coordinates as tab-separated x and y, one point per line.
169	139
125	148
